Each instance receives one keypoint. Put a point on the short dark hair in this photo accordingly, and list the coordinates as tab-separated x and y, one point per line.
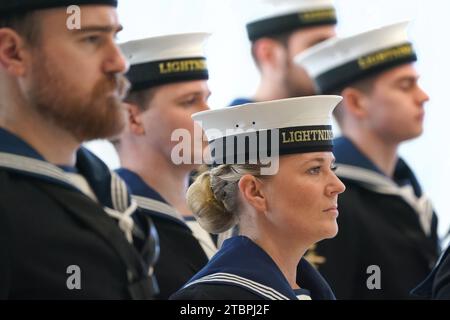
364	85
25	24
282	38
141	98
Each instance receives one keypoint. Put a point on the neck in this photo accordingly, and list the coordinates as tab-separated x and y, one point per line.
284	252
169	180
270	89
382	153
54	144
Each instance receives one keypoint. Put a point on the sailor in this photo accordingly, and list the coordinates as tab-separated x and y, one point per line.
279	30
69	229
387	241
169	83
281	193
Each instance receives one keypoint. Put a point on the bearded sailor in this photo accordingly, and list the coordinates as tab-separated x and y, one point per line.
68	227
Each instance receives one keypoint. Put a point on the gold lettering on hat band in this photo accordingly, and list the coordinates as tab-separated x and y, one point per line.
306	135
317	15
384	56
182	66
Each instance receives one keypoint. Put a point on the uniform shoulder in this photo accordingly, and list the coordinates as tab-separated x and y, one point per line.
214	292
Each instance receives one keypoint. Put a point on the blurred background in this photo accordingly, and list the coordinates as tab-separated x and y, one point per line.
232	72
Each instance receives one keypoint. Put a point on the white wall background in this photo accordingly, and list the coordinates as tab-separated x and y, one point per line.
232	72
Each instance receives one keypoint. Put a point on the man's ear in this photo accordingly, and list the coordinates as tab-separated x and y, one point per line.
267	51
135	123
355	102
252	192
13	53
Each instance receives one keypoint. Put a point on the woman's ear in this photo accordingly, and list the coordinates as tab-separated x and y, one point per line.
13	53
135	123
252	192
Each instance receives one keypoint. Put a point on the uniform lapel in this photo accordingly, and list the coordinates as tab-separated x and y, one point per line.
114	201
425	244
355	167
81	208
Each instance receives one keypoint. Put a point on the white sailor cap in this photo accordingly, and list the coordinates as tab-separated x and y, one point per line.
338	62
166	59
274	17
243	133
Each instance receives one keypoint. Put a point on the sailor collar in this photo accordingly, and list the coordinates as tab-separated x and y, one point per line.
240	262
354	165
147	198
19	157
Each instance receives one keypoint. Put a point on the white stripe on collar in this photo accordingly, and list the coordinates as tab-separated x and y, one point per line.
30	165
382	184
198	233
364	175
158	206
256	287
203	238
82	184
119	195
119	192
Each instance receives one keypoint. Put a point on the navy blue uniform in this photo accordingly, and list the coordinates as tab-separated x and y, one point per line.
48	225
241	270
437	284
383	222
182	253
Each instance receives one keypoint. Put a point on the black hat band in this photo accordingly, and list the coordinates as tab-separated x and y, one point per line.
146	75
255	145
289	22
365	66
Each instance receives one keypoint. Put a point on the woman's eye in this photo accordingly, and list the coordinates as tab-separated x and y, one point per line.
315	170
